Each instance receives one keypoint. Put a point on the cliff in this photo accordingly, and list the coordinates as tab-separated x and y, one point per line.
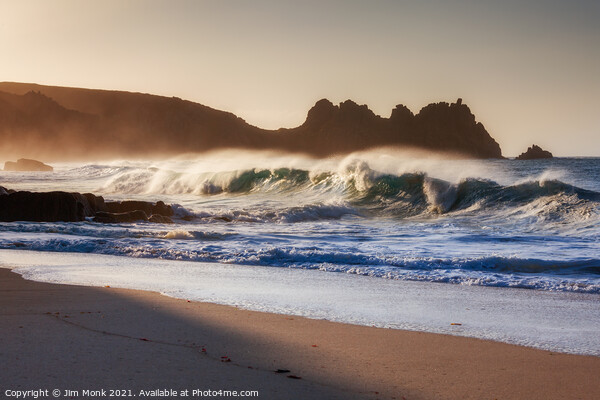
58	122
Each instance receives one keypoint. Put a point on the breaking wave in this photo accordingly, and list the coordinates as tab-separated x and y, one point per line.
494	223
357	190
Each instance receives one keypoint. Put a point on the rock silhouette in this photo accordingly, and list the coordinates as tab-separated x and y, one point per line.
74	207
74	123
46	207
159	208
534	152
111	218
24	164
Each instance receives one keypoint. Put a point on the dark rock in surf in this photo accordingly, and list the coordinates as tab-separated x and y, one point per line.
4	191
149	208
42	207
114	218
74	207
161	208
94	204
24	164
535	153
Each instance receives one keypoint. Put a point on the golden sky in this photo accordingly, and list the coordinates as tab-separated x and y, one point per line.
529	70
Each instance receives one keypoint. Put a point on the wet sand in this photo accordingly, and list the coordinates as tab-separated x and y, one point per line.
83	338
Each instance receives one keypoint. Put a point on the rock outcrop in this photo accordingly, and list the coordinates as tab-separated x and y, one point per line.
25	164
534	153
441	127
46	207
72	122
159	207
4	191
74	207
111	218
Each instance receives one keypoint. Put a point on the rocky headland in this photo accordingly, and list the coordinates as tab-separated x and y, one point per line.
76	123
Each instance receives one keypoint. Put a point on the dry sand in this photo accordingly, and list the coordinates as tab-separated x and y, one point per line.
74	337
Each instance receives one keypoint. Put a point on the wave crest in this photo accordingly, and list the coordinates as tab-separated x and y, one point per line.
358	187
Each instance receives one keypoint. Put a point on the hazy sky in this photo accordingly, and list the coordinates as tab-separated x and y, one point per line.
529	70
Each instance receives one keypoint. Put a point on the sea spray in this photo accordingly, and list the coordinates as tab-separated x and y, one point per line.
496	223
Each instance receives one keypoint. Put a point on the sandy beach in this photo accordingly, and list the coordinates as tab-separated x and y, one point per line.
84	338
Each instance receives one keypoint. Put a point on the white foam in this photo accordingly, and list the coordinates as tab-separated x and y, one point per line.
178	234
556	321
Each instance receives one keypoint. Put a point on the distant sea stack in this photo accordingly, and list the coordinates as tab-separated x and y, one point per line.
75	123
534	153
24	164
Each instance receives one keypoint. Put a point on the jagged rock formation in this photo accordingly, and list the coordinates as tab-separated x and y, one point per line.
535	152
80	123
24	164
73	207
349	127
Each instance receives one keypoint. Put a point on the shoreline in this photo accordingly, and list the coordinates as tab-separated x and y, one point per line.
67	336
552	321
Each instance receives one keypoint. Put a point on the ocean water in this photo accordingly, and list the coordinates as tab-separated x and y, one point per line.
365	230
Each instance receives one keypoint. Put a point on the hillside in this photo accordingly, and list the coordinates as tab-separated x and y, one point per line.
59	122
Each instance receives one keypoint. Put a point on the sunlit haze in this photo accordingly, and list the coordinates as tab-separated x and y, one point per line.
529	70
